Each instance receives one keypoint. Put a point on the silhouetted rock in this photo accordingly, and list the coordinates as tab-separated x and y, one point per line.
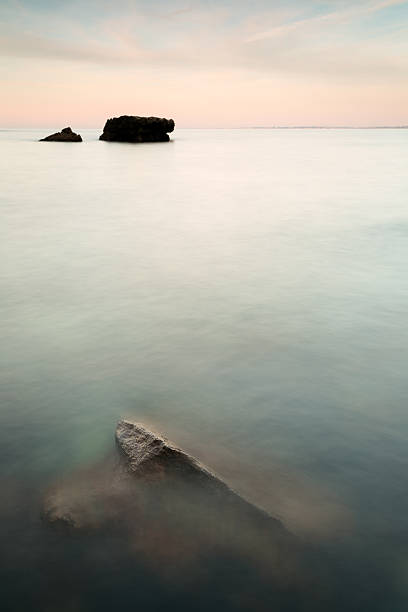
137	129
65	135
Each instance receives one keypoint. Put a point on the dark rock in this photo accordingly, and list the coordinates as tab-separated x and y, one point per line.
137	129
65	135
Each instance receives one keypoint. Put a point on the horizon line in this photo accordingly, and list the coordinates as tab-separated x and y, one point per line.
239	127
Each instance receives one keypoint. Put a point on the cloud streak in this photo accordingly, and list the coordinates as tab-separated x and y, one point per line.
25	45
339	17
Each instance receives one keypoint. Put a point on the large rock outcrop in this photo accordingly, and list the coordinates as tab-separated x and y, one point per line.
128	128
65	135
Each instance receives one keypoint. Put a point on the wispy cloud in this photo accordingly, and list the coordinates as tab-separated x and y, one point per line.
26	45
337	17
177	13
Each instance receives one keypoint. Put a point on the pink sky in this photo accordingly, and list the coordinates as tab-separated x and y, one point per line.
205	64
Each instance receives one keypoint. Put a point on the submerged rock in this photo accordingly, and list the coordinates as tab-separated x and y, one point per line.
65	135
128	128
155	506
148	465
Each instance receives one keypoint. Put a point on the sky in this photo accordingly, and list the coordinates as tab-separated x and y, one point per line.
205	63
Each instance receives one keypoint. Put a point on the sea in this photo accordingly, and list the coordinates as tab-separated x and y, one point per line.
244	292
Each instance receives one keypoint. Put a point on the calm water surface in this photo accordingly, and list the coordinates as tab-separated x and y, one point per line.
242	291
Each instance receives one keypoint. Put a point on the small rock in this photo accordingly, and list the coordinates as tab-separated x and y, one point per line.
65	135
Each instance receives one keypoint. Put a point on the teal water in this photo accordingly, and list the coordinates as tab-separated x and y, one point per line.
242	291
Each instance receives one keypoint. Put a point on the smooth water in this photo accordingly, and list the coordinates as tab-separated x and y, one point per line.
242	291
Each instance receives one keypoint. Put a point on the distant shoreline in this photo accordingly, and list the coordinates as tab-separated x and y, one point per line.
248	127
329	127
